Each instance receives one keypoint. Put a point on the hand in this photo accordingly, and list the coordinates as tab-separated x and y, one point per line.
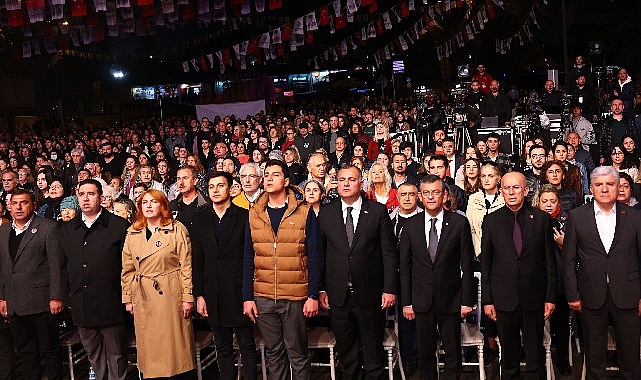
490	311
548	309
310	308
388	300
130	307
616	93
578	305
188	307
601	160
250	310
201	306
558	236
408	312
465	310
55	306
3	308
639	308
323	299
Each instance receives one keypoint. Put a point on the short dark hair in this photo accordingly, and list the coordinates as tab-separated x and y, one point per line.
218	173
91	181
448	139
362	145
432	178
406	144
438	157
559	143
350	166
493	135
84	170
19	191
399	154
280	164
536	146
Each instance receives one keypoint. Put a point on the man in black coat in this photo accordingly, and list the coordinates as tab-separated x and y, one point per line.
496	104
361	274
92	244
218	241
518	277
603	239
435	247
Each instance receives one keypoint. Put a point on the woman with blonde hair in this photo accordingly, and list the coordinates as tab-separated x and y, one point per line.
380	187
194	160
157	288
485	201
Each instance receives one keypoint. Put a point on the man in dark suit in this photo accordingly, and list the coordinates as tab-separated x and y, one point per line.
31	287
361	274
603	239
518	276
435	247
92	244
341	155
218	241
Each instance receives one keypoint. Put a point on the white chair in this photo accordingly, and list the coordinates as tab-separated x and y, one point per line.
471	335
260	344
323	338
390	345
203	340
547	344
75	350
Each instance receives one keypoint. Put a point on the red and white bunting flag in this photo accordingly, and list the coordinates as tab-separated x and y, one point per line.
260	5
387	21
298	26
26	49
264	41
336	5
311	22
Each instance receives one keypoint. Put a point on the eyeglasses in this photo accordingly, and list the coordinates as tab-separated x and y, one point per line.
434	193
515	188
537	155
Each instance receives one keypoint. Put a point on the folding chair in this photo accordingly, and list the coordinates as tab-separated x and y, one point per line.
204	339
471	335
75	350
390	345
260	344
323	338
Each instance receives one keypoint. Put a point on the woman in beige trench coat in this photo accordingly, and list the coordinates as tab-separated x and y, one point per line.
157	288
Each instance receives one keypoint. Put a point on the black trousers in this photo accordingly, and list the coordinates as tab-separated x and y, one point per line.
560	329
36	339
6	354
224	339
359	330
512	325
429	327
626	335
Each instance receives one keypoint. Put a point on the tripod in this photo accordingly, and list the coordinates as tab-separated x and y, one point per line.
462	138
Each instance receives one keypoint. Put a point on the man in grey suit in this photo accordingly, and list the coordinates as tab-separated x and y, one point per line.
31	287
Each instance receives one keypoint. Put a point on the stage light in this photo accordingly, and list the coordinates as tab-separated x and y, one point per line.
117	74
463	71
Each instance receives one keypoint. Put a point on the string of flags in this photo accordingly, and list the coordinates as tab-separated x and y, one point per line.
334	16
525	32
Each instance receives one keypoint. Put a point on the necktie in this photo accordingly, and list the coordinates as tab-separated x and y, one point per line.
431	248
516	235
349	226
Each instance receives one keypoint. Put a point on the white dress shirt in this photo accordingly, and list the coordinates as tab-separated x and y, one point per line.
355	212
606	222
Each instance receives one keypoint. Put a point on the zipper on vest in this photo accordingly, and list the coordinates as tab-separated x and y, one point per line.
275	273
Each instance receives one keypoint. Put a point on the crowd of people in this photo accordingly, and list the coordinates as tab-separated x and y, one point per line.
262	222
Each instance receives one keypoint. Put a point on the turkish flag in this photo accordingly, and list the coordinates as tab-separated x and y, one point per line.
286	32
373	7
188	12
405	11
78	8
31	4
379	26
226	57
491	12
147	11
309	37
15	18
144	3
280	50
275	4
366	2
98	33
91	19
340	22
253	45
324	15
202	63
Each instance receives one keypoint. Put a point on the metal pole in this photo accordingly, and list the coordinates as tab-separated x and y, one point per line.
394	84
565	44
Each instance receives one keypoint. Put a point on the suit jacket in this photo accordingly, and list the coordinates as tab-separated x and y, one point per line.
218	270
371	263
93	265
508	279
437	285
35	276
344	159
582	247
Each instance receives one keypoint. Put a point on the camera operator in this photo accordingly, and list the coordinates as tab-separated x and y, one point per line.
584	96
625	91
432	116
551	98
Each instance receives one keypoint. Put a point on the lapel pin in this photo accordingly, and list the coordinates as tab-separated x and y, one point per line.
158	243
531	216
34	230
365	212
447	224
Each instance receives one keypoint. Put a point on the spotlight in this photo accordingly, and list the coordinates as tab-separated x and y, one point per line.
117	74
463	71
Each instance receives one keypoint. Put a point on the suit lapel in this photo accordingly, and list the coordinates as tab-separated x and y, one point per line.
230	225
29	234
618	229
362	219
445	229
590	217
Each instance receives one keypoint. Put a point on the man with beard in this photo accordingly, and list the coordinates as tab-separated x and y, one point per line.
496	104
538	156
400	174
431	118
613	128
484	79
551	98
583	96
624	90
109	161
578	69
475	95
439	135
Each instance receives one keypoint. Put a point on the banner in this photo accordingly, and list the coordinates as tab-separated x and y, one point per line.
240	109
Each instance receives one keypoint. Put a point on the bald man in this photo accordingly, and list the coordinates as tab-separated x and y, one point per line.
518	277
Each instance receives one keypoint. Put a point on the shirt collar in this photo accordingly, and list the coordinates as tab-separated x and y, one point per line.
439	217
23	229
90	223
598	209
356	205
